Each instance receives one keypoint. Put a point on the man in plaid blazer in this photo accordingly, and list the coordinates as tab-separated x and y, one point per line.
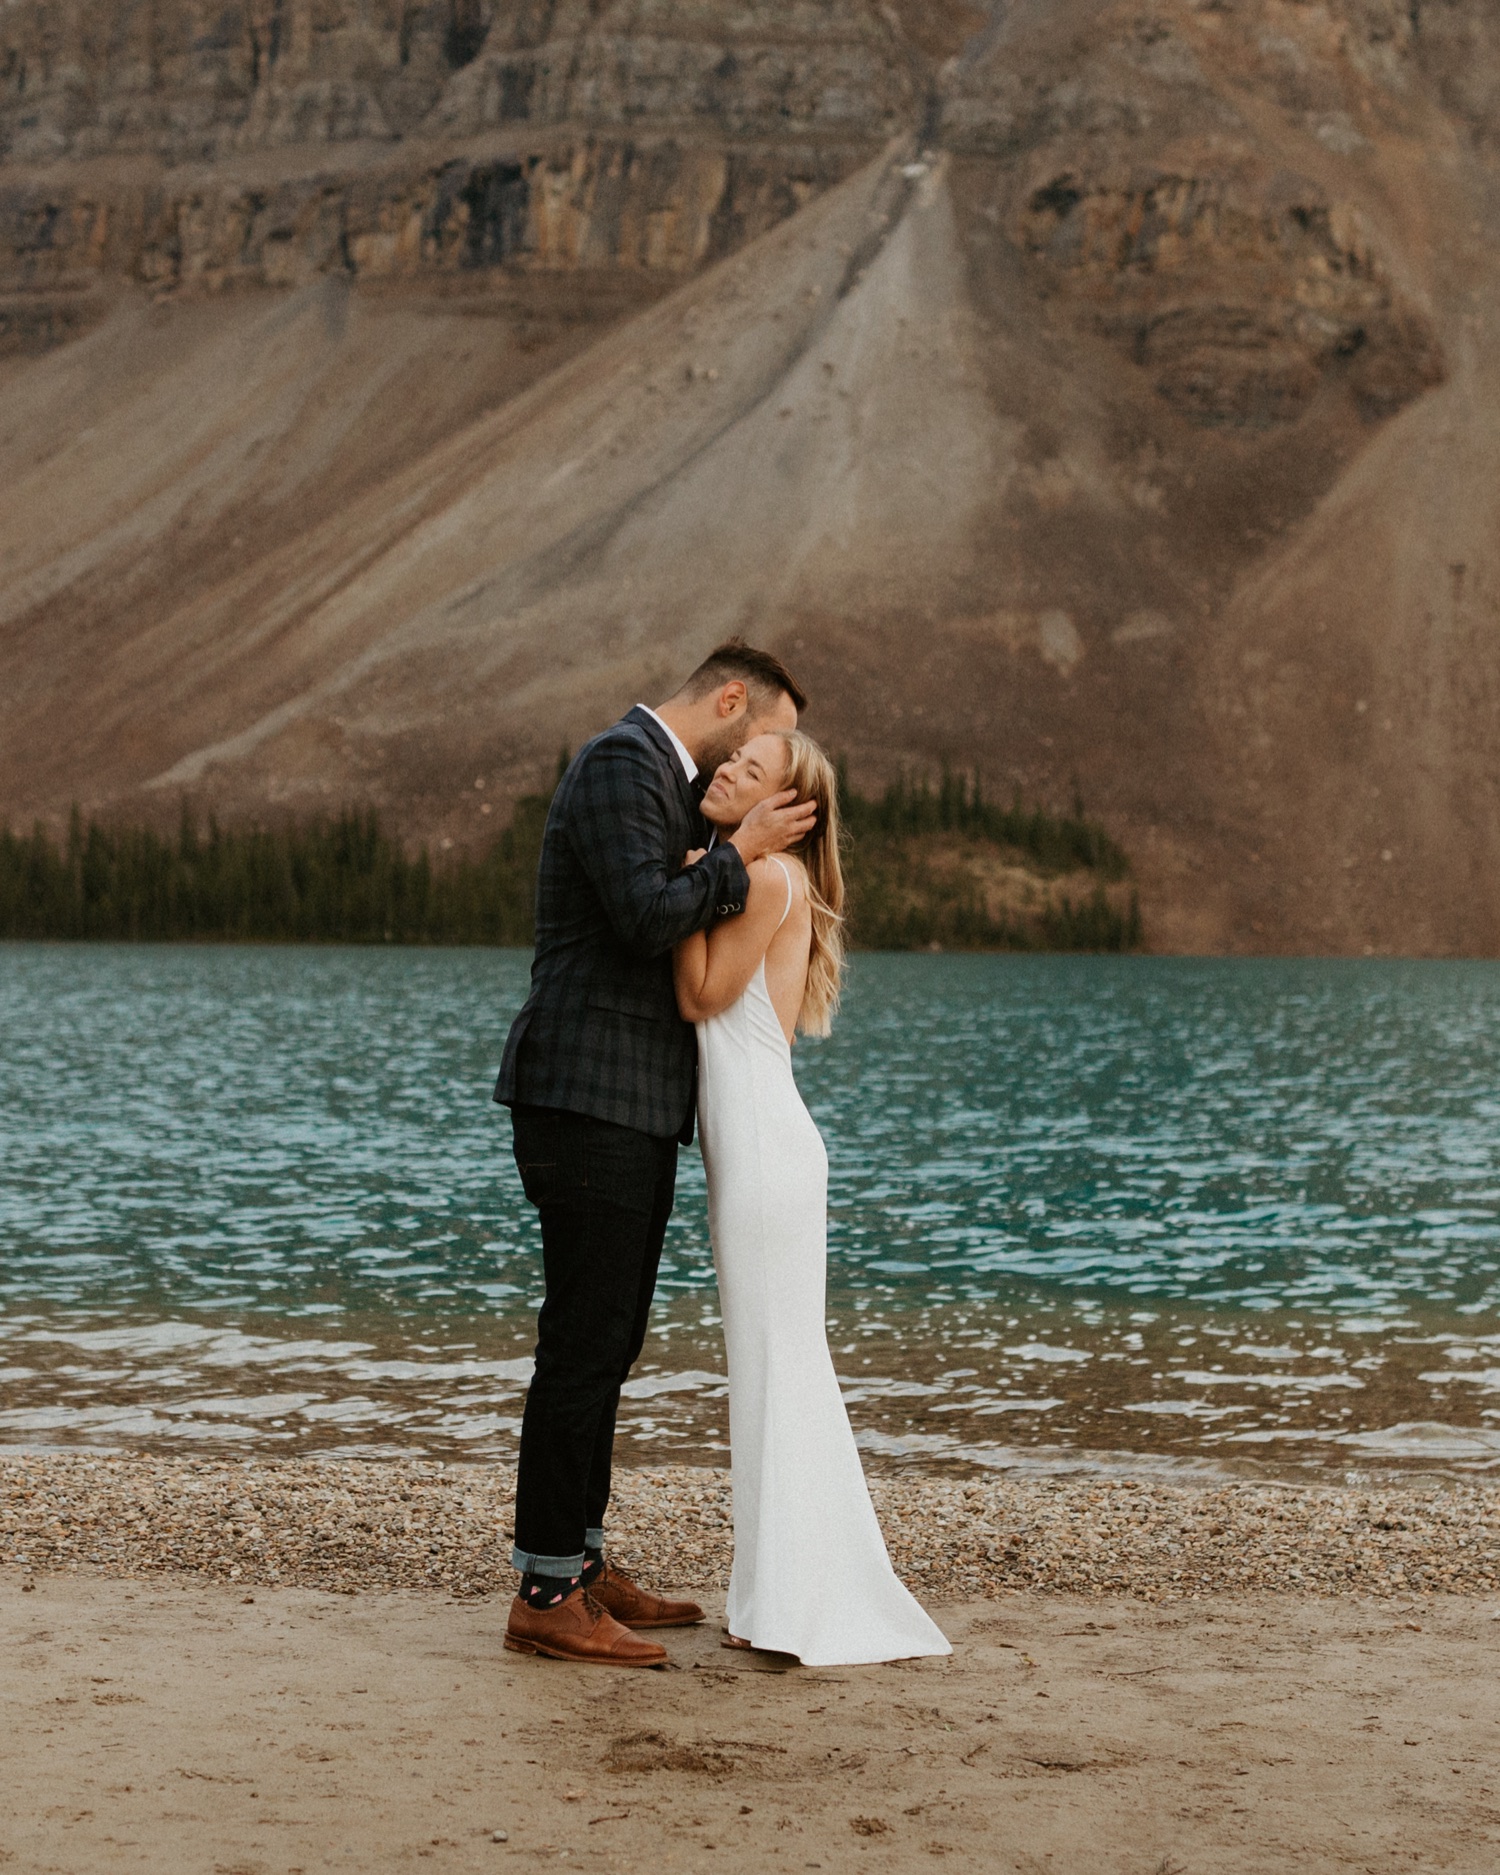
600	1073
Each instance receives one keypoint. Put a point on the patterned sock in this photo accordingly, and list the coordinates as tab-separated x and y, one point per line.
593	1566
547	1591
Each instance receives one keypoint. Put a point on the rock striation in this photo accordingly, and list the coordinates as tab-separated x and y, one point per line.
192	147
761	71
199	79
648	211
191	80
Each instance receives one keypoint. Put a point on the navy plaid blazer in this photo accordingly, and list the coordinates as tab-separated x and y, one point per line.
600	1033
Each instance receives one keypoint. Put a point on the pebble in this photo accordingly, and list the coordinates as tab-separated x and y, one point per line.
351	1525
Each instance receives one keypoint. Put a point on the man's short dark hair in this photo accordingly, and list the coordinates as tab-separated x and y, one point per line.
764	676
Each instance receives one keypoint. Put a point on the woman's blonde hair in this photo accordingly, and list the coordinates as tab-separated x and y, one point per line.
810	772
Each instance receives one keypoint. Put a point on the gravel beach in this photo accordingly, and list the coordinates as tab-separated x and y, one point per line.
357	1525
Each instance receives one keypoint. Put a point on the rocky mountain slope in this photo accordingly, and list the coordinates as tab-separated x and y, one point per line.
1096	393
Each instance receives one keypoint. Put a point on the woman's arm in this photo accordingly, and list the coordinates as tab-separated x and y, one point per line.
712	969
689	967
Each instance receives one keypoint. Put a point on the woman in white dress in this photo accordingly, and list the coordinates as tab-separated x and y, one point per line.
811	1575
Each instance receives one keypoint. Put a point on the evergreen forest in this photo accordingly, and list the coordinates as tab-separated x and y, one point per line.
345	880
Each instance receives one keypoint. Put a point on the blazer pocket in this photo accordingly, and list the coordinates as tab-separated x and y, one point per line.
624	1003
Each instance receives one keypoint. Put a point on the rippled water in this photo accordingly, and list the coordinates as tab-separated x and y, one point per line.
1084	1211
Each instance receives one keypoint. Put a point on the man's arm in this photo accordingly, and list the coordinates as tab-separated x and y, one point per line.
619	828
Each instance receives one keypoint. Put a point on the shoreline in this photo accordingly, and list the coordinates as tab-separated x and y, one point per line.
378	1525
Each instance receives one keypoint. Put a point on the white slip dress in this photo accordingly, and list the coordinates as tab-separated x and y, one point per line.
811	1575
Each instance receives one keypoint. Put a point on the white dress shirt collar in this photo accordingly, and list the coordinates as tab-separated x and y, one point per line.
689	766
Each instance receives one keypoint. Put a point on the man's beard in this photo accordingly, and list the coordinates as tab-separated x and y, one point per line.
731	737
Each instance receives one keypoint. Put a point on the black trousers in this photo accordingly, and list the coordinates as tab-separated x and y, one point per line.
604	1194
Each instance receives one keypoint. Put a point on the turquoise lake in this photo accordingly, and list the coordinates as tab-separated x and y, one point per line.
1085	1213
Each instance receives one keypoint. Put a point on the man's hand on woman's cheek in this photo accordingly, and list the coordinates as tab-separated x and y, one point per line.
773	825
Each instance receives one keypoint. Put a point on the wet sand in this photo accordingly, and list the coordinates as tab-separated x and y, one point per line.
182	1725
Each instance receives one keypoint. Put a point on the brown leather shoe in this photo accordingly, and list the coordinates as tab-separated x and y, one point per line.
578	1629
636	1607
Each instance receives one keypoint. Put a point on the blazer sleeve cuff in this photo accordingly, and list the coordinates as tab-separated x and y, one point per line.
731	881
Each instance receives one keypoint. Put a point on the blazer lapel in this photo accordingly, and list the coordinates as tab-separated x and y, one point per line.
662	743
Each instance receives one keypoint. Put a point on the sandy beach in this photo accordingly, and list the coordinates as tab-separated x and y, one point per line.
169	1707
185	1726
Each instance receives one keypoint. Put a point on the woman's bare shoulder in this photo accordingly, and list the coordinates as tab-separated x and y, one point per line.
776	868
786	869
768	882
795	871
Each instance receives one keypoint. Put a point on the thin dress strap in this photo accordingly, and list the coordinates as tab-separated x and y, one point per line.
788	877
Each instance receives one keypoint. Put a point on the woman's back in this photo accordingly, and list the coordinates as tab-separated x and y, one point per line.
751	1117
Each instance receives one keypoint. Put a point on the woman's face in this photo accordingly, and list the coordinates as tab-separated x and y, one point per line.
753	773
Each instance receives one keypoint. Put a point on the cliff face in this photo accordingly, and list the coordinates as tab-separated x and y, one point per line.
193	147
1195	195
649	209
1131	421
197	79
760	70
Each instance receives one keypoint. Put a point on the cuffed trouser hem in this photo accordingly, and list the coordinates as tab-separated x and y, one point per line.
593	1539
529	1563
